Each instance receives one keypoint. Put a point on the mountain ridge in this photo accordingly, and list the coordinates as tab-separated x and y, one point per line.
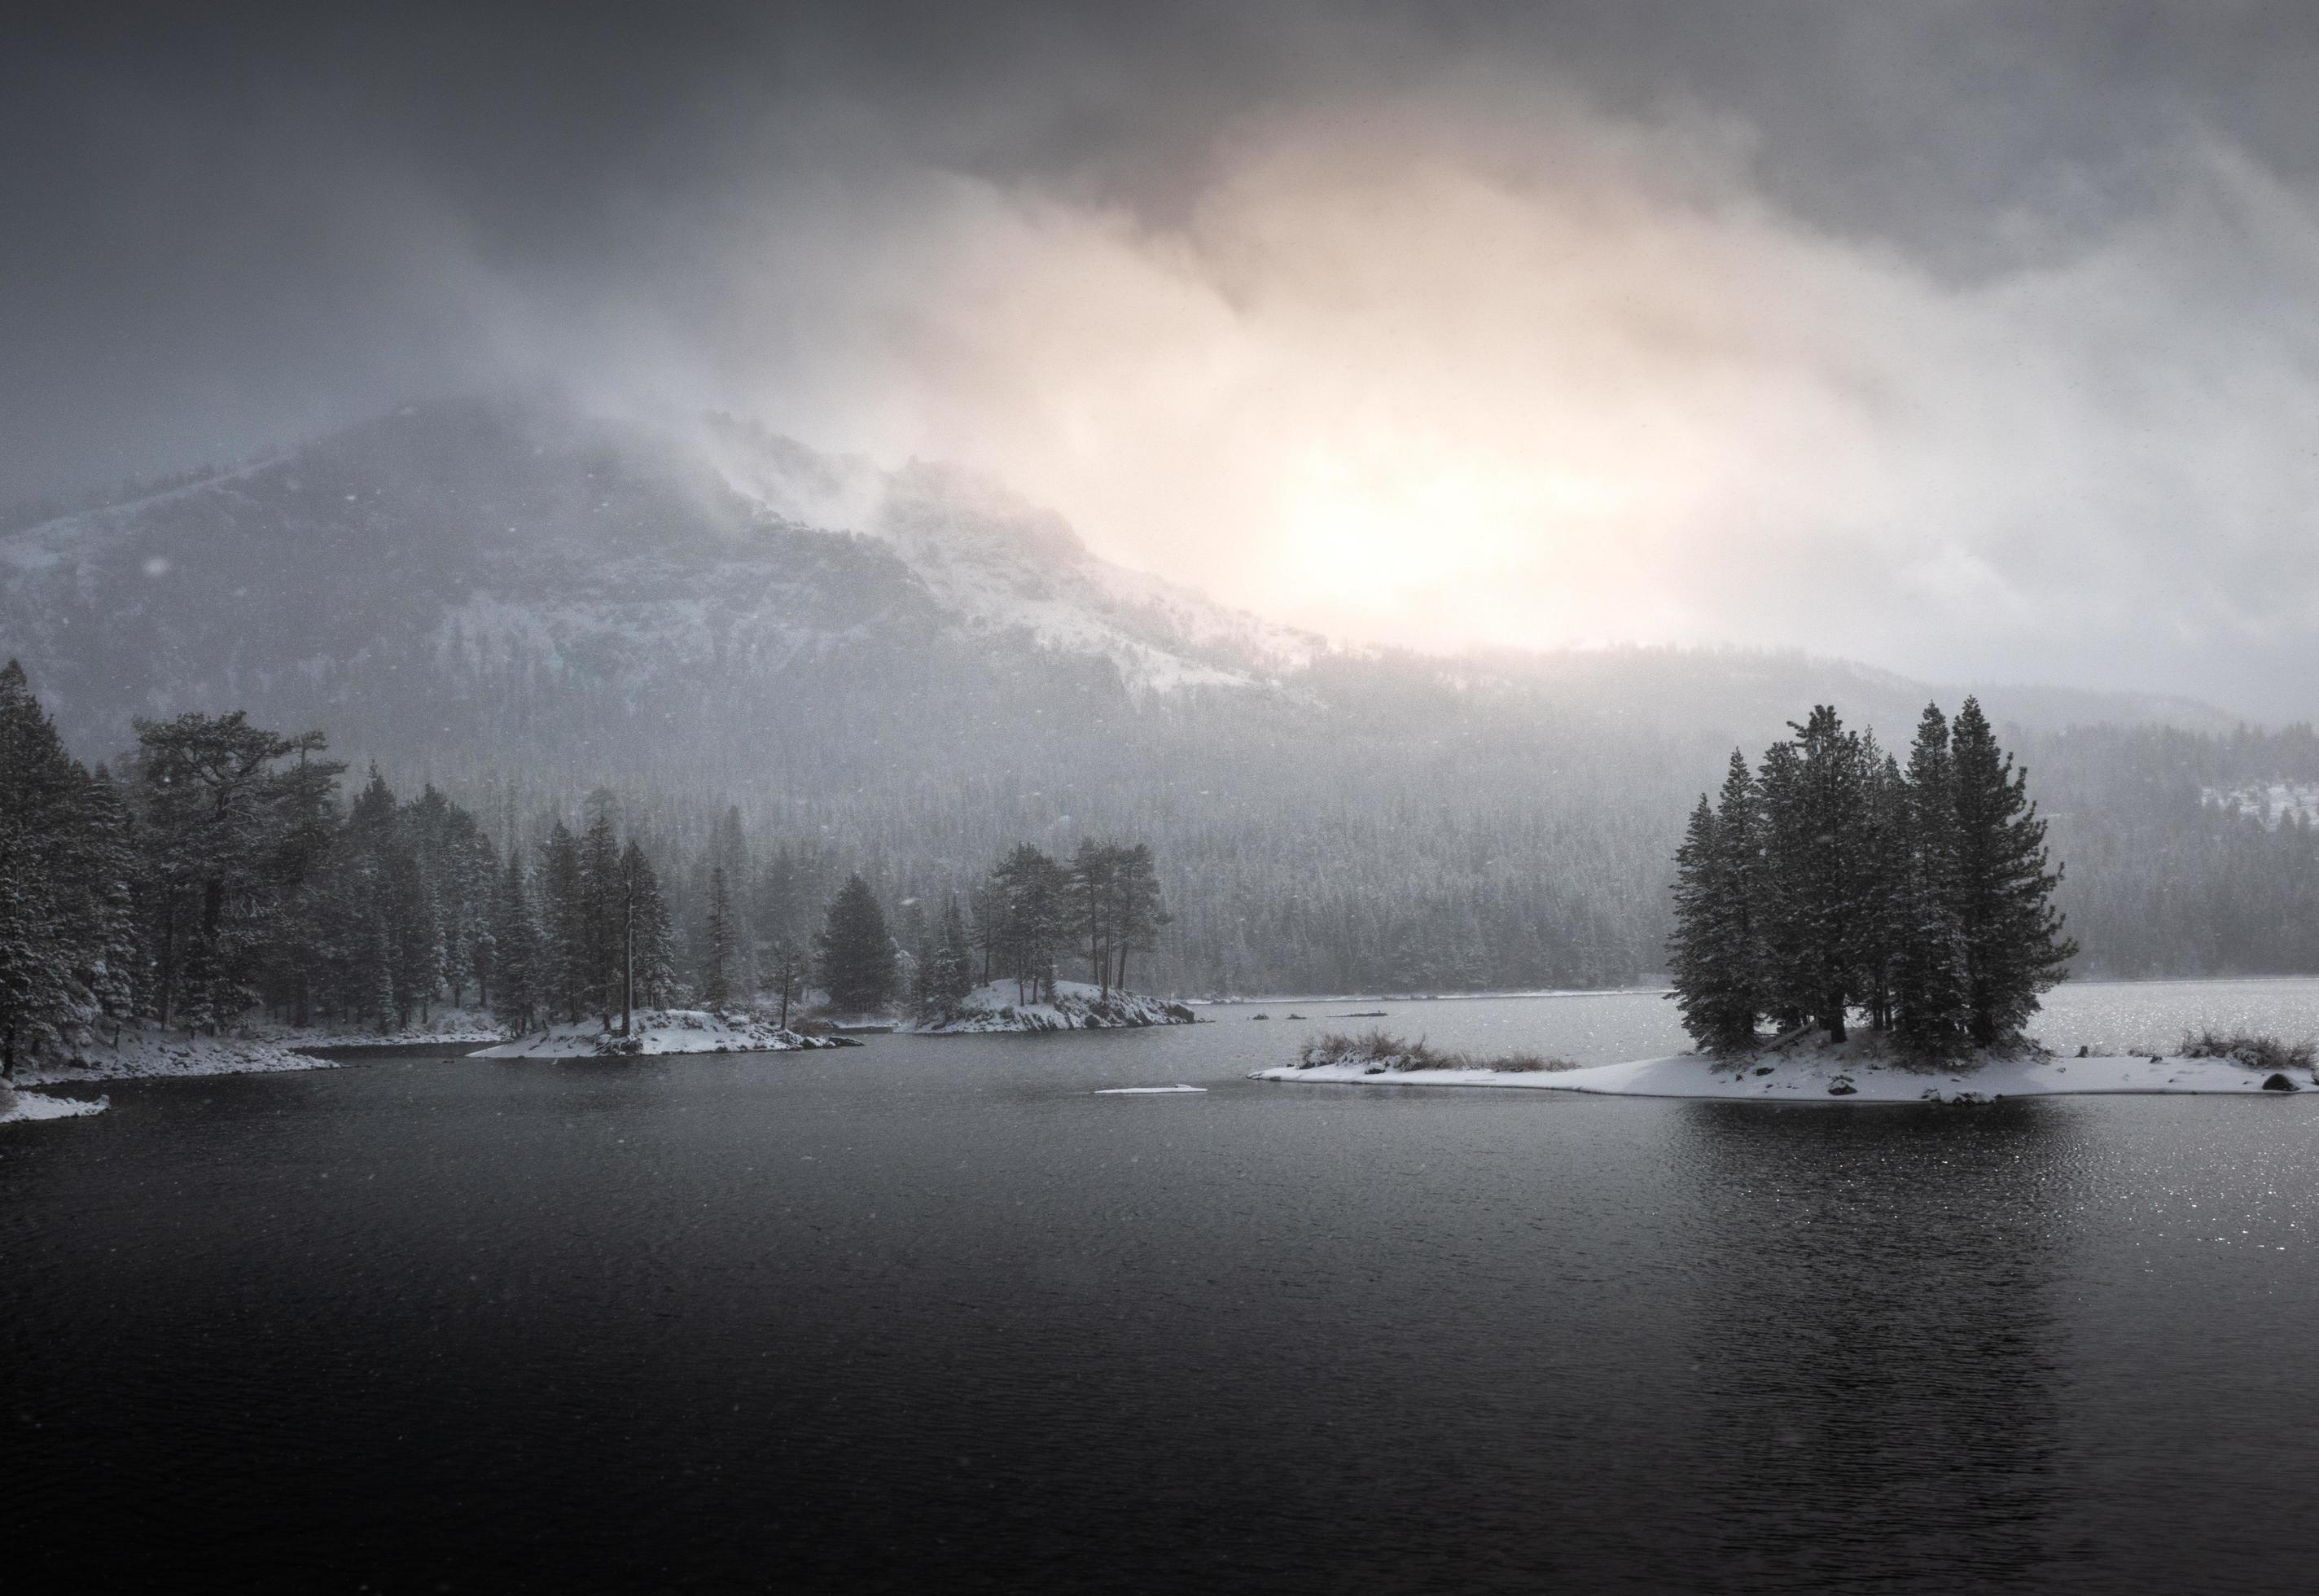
487	530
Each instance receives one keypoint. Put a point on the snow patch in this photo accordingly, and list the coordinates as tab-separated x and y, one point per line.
17	1106
155	1052
450	1026
1144	1091
655	1032
1077	1005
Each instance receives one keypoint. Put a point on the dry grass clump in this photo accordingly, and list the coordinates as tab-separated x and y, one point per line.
1380	1052
2256	1052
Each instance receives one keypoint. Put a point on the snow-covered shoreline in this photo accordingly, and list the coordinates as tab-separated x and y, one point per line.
150	1053
657	1032
15	1105
450	1028
1077	1005
1835	1078
141	1055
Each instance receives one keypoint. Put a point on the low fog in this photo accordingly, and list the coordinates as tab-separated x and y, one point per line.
1970	343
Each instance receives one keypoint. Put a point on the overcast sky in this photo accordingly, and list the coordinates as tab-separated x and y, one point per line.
1972	340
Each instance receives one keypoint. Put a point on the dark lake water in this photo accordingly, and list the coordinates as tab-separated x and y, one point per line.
925	1314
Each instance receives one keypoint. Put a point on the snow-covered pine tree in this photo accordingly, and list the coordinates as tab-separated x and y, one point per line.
458	859
1093	887
1784	935
33	993
2016	949
335	916
603	894
753	894
913	937
856	951
955	969
379	963
1880	868
989	929
563	959
413	925
1739	842
1929	1007
114	969
1714	955
1031	898
1139	913
717	968
515	996
219	821
43	823
651	949
1813	792
479	886
1694	954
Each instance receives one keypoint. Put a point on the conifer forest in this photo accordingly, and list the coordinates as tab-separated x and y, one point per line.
1829	882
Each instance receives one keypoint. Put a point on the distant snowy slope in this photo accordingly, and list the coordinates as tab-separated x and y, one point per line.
1005	564
472	570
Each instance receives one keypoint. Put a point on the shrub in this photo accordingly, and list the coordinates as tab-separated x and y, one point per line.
1528	1064
1382	1052
2256	1052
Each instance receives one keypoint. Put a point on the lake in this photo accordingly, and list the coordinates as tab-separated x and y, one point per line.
926	1314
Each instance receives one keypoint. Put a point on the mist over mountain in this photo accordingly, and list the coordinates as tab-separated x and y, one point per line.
905	669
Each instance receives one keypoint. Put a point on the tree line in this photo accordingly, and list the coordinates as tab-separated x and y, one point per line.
1829	880
1032	917
218	873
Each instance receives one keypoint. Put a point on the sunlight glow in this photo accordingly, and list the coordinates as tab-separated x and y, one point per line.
1359	530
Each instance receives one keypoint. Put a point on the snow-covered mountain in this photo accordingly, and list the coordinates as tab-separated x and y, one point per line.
1002	565
497	580
453	554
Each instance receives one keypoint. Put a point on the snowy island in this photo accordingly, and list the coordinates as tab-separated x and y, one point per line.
1070	1005
657	1032
1823	1073
1896	929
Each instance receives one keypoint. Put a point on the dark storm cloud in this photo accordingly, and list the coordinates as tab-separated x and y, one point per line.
1949	300
228	222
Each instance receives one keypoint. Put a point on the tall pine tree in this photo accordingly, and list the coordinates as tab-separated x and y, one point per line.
1930	1010
717	966
564	982
516	994
858	968
2016	949
1713	955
